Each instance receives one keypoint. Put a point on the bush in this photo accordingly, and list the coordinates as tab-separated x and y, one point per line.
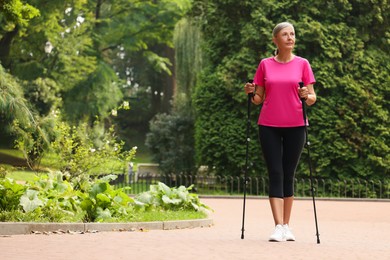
81	153
171	142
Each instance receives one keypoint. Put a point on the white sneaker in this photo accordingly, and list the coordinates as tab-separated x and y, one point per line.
288	234
278	235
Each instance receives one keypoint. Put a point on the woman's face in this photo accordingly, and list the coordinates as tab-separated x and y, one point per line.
285	39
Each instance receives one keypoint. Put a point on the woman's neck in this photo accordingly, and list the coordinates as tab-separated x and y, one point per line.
284	57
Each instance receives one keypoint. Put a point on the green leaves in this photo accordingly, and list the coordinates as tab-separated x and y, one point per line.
30	201
85	150
160	196
52	199
171	142
18	12
10	194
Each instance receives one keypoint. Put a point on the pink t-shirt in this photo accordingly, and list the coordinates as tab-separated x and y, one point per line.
282	106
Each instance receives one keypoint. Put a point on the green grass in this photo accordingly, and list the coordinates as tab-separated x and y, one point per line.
22	175
16	157
12	152
148	216
165	215
50	163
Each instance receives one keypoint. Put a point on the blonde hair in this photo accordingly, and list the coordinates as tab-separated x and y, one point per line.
277	29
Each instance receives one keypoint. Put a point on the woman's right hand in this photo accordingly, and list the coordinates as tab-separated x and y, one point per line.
249	88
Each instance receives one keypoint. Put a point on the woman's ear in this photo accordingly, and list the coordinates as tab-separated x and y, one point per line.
274	41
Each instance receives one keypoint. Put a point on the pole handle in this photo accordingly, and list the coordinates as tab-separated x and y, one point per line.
301	86
250	95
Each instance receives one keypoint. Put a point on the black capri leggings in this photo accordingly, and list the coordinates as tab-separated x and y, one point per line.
282	148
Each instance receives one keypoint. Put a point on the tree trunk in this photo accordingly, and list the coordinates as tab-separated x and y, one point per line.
5	47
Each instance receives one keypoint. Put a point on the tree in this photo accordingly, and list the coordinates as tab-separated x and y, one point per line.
92	46
14	15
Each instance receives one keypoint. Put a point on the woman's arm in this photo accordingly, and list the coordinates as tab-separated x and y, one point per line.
259	96
258	92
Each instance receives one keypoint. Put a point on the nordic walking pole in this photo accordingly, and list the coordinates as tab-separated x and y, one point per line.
248	123
310	166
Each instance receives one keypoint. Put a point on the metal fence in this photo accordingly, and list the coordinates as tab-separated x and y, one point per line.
258	186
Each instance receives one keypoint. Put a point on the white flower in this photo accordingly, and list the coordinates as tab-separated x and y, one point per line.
126	105
68	10
80	19
114	112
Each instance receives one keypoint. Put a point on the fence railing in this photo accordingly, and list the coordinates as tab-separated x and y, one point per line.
258	186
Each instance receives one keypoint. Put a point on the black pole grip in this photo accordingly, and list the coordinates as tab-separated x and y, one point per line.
250	95
300	85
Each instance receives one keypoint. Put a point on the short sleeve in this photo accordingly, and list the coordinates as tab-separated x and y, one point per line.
259	75
308	75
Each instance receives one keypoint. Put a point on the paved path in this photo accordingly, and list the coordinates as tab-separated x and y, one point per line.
349	230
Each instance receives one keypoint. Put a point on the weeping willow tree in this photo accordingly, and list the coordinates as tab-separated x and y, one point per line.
171	137
188	61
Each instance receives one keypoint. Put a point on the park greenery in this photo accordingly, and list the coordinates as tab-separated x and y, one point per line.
79	80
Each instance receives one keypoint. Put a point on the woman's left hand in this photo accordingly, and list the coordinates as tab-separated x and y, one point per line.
303	92
307	93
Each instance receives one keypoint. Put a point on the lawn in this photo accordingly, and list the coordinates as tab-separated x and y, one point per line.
12	160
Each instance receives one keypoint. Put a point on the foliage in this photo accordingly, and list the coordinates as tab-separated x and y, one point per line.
34	139
346	43
162	196
188	59
82	152
54	198
32	131
220	131
171	136
170	141
17	12
11	193
3	172
103	202
94	97
13	105
94	44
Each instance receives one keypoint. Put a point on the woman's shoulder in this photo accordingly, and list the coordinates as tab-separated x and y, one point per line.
267	60
300	59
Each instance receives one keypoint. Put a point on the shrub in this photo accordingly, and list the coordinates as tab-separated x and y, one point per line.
171	142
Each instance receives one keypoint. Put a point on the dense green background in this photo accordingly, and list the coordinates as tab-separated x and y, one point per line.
347	44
